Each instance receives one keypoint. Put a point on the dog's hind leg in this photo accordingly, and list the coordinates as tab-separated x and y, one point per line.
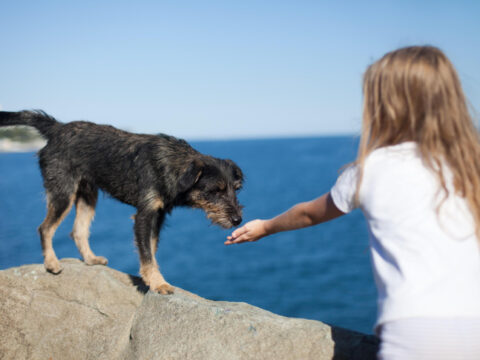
147	223
58	206
85	210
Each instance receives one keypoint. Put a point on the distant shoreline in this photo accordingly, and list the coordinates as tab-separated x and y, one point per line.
10	146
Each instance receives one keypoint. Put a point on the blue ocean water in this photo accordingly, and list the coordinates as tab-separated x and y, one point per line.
320	273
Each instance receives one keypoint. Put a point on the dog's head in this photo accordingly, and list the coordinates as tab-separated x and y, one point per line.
212	184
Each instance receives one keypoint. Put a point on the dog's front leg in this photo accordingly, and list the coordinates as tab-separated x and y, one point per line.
156	226
145	221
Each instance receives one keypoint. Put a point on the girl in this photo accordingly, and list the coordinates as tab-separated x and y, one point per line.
417	181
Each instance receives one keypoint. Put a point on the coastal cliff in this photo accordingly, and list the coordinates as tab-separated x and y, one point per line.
95	312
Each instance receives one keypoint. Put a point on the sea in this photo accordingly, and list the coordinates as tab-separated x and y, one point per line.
321	273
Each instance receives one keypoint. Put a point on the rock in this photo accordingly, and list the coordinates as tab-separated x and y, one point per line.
94	312
83	313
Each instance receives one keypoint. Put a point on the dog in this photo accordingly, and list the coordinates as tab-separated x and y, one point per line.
153	173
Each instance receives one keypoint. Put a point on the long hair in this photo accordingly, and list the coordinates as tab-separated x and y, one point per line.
414	94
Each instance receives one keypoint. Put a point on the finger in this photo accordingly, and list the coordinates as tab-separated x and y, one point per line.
239	232
241	239
231	242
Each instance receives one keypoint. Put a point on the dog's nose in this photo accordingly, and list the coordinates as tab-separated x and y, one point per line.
236	220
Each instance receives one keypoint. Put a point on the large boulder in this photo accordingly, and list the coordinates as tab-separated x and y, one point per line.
94	312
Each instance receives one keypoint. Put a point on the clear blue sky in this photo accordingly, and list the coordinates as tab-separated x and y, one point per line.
218	69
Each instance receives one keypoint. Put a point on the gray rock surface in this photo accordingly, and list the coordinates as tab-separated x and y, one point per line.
94	312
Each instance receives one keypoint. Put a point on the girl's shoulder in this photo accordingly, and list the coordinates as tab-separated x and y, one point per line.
384	159
404	149
397	163
405	152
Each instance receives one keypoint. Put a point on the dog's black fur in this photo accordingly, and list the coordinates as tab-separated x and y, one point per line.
153	173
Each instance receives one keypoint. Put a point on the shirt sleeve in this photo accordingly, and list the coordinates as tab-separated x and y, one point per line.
343	192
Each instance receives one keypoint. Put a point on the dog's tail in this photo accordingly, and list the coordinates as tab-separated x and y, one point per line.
38	119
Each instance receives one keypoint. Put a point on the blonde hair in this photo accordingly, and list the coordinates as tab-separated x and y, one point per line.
414	94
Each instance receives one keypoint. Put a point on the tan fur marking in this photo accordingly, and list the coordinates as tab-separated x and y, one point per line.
153	278
154	201
214	212
47	231
221	185
153	244
81	232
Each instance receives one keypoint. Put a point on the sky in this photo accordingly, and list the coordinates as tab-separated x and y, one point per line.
219	69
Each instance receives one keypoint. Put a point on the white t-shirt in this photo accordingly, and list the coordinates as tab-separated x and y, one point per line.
425	265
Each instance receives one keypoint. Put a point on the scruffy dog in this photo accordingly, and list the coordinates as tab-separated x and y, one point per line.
154	173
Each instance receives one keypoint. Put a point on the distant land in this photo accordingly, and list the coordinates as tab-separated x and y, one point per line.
20	139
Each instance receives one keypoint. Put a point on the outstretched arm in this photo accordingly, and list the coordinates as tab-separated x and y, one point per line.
299	216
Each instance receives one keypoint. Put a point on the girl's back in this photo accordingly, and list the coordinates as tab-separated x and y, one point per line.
423	244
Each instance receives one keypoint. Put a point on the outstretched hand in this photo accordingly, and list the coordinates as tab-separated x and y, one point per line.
299	216
251	231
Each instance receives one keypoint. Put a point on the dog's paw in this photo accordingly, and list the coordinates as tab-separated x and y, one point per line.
53	266
164	289
96	260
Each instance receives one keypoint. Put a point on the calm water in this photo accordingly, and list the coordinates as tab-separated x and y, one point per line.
320	273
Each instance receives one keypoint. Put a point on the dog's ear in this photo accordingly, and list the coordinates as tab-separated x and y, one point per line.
237	174
190	176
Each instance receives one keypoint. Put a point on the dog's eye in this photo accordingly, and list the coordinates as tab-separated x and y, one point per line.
216	190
